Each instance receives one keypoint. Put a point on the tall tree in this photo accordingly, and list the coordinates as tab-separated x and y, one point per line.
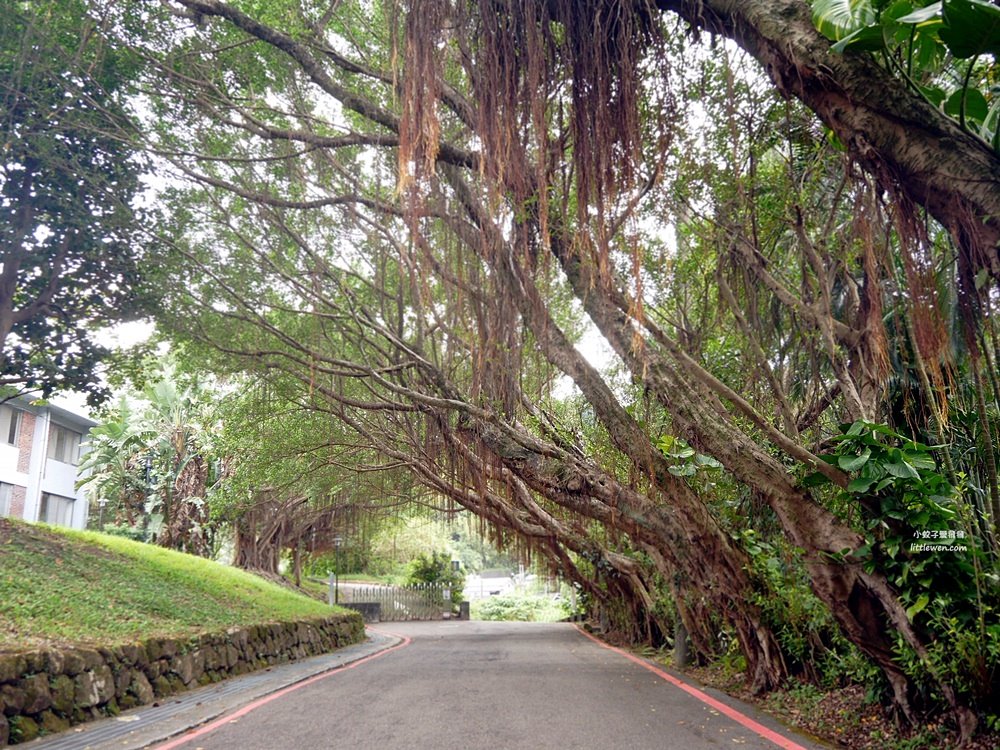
72	252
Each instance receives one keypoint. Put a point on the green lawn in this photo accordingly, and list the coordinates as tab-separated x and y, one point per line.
68	587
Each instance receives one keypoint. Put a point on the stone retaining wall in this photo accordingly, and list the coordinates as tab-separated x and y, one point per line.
47	691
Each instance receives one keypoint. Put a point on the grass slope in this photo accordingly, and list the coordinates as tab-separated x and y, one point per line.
62	587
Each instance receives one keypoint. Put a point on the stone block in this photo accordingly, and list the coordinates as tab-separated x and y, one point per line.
141	688
156	668
197	664
35	661
183	667
162	687
73	663
123	678
63	690
4	730
55	662
135	654
24	728
11	667
37	697
12	698
51	723
95	687
92	658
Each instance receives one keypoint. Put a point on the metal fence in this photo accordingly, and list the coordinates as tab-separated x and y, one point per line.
421	602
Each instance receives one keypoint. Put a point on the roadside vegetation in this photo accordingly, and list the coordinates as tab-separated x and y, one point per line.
520	607
61	587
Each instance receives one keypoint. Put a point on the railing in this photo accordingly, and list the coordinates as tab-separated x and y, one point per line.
426	601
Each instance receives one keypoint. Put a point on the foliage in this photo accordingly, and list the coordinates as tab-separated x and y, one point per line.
923	536
905	501
153	463
686	462
809	637
922	40
128	532
515	607
74	254
437	568
84	587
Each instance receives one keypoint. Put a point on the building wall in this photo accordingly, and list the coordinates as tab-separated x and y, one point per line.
15	465
25	441
17	502
31	473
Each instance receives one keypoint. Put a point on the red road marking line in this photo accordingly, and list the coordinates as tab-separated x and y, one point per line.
228	718
732	713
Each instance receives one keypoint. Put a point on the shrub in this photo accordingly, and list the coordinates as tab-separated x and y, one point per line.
519	608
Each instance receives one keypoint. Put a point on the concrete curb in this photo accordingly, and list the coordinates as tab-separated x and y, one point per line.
144	726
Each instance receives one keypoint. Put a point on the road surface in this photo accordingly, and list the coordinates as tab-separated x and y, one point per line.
479	685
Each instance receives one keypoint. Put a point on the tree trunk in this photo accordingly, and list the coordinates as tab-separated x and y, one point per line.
863	604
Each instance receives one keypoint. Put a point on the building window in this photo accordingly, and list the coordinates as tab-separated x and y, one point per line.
6	495
10	424
64	445
56	510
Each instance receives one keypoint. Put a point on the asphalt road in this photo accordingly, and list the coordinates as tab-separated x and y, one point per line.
473	685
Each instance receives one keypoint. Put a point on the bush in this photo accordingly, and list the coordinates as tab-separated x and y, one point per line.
437	569
519	608
129	532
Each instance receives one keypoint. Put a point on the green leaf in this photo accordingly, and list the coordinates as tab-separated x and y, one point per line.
837	19
976	106
863	551
902	470
918	606
853	463
861	484
708	462
971	27
866	39
934	94
920	460
815	479
855	429
922	15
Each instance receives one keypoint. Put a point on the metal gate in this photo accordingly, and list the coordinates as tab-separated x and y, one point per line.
429	601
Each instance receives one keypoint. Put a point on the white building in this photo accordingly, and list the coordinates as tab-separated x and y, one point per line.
40	450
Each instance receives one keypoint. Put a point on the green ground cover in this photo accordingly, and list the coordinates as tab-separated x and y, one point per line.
69	587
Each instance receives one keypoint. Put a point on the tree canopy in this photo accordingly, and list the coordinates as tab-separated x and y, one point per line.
400	216
72	241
